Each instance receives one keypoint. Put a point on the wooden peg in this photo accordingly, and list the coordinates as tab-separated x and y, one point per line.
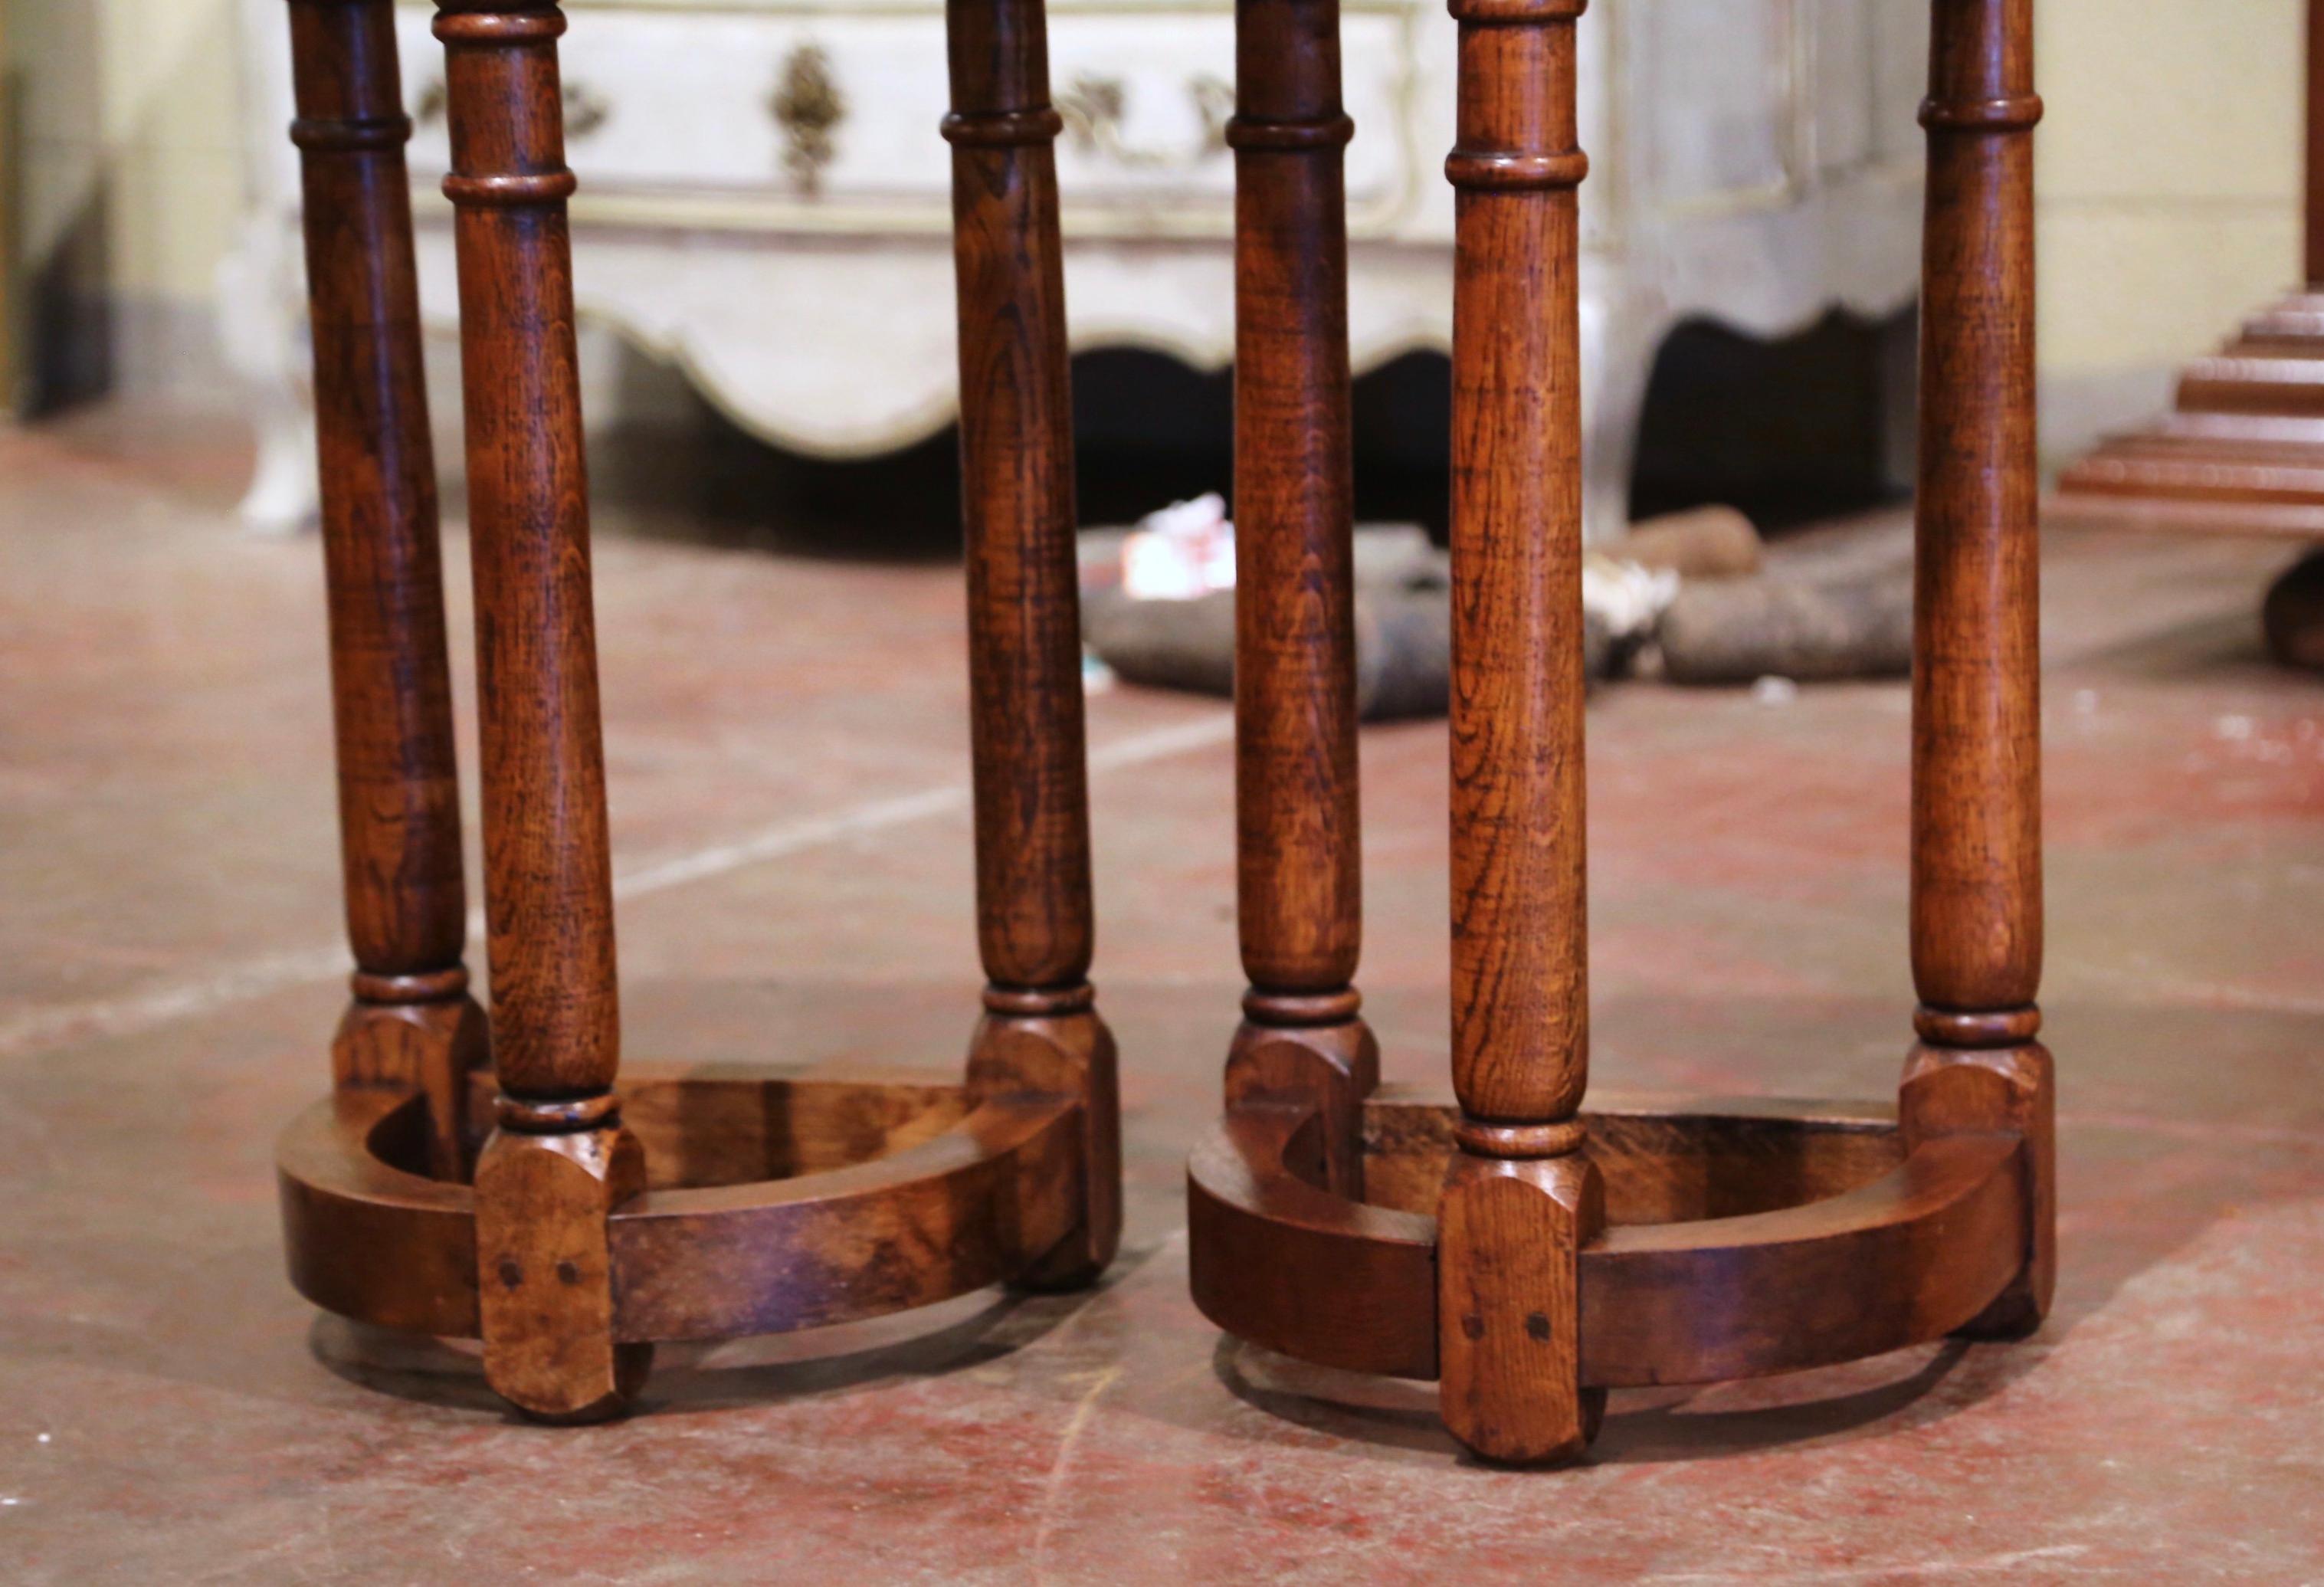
1519	1199
1040	1033
559	1161
1976	779
411	1024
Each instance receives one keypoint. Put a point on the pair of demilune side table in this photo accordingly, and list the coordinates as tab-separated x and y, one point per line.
483	1179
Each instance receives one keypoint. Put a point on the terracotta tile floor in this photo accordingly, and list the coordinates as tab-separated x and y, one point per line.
787	787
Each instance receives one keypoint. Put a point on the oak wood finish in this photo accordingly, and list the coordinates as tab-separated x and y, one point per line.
559	1161
1040	1034
1922	1240
1519	1203
940	1213
1529	1256
2242	452
1275	1258
1884	1248
1299	861
1509	1236
545	1269
411	1022
1976	844
983	1201
1976	689
709	1203
1664	1160
2002	1092
548	866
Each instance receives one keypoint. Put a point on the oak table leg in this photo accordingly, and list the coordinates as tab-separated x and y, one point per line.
1520	1200
1040	1032
412	1024
1976	774
1298	828
559	1161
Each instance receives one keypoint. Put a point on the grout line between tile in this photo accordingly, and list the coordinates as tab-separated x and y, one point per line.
266	973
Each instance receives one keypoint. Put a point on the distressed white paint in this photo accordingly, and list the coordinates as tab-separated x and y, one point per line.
1753	160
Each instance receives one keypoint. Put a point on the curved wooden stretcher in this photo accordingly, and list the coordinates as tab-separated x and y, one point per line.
893	1197
1738	1244
1523	1252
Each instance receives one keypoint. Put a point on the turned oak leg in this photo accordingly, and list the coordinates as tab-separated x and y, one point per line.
1520	1200
560	1159
1977	785
1040	1031
412	1023
1298	837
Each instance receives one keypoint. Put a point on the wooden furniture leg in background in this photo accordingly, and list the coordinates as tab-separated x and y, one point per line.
1040	1034
2243	451
412	1024
1520	1199
1976	688
559	1161
1300	886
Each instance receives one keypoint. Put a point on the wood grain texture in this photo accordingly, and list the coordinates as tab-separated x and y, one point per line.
1977	907
1040	1036
1298	843
1329	1069
1068	1056
980	1203
972	1202
560	1161
2001	1092
1882	1249
1276	1259
1520	984
1752	1243
705	1124
436	1046
411	1022
1976	777
1298	837
367	1231
1519	1199
1664	1160
545	1270
1913	1256
1017	497
1876	1249
547	873
1509	1235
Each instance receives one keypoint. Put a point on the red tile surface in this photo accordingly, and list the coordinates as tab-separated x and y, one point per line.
787	765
